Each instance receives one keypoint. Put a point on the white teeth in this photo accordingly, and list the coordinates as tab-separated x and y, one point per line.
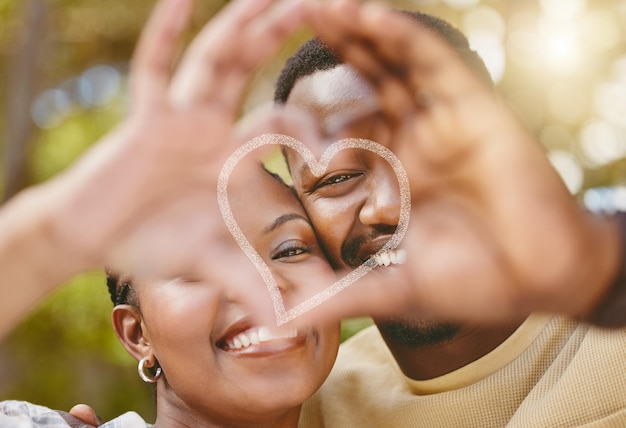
245	340
400	256
264	334
254	336
384	259
392	257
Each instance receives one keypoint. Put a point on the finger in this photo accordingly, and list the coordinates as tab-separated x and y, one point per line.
153	58
372	295
338	24
395	99
417	53
222	59
380	42
239	279
86	414
421	86
284	120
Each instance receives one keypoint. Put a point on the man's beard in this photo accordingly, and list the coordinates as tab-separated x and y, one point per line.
407	331
416	334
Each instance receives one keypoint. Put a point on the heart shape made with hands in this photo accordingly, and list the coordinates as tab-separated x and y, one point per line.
317	168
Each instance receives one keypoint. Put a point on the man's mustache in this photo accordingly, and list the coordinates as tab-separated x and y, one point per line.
351	250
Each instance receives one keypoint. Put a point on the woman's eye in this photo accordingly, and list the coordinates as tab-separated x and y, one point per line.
290	253
290	249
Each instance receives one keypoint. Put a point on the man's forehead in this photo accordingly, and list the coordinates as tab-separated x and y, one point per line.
329	92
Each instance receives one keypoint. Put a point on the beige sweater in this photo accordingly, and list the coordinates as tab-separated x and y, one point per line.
552	372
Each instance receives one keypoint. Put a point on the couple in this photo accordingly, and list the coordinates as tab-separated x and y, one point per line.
521	372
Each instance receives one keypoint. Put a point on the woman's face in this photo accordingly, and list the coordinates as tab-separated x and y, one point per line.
215	361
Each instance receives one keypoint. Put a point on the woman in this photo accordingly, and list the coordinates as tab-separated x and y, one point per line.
212	365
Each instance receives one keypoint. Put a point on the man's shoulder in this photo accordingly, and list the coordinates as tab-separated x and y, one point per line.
367	339
367	347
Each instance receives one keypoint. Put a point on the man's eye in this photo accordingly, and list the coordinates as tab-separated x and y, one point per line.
336	179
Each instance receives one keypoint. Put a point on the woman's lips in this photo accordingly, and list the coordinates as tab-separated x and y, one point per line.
261	340
255	336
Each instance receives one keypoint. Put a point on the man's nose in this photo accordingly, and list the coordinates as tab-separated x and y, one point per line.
382	204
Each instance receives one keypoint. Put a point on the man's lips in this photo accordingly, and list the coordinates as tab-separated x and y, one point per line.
371	247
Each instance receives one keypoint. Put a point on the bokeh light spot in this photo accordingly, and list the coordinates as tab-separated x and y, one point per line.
564	10
50	108
490	48
567	103
461	4
568	168
485	19
98	85
601	143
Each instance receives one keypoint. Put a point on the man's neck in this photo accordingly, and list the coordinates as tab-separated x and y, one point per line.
432	360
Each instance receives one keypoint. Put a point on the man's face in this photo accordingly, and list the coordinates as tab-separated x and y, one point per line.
355	205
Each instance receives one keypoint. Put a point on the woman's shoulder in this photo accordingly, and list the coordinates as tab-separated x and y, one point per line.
22	414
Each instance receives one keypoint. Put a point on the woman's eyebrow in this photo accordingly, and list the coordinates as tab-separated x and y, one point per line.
284	219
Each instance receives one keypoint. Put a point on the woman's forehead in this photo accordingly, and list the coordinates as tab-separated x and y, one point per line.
262	196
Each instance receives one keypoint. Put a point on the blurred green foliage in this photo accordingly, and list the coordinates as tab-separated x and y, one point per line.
55	149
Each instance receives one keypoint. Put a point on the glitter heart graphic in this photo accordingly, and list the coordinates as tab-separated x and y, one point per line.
317	168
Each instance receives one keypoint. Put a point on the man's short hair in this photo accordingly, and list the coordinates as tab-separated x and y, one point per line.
315	56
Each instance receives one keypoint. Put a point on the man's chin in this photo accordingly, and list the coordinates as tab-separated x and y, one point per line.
416	333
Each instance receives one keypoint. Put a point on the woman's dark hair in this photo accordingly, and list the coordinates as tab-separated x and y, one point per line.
120	289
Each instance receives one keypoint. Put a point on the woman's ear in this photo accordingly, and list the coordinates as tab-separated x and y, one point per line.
127	323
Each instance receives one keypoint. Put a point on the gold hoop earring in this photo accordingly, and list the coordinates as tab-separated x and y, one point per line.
148	378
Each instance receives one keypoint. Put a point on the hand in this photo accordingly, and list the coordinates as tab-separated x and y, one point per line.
164	161
143	199
493	231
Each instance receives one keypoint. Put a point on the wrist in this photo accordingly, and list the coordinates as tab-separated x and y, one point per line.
33	262
39	238
91	201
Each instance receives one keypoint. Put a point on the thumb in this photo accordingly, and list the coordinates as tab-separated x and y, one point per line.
380	293
280	120
85	414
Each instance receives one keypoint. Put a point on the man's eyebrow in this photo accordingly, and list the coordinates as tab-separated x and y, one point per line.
284	219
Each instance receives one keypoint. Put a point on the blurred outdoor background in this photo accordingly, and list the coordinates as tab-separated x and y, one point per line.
560	64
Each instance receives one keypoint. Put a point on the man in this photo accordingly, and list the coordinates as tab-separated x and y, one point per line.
518	372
